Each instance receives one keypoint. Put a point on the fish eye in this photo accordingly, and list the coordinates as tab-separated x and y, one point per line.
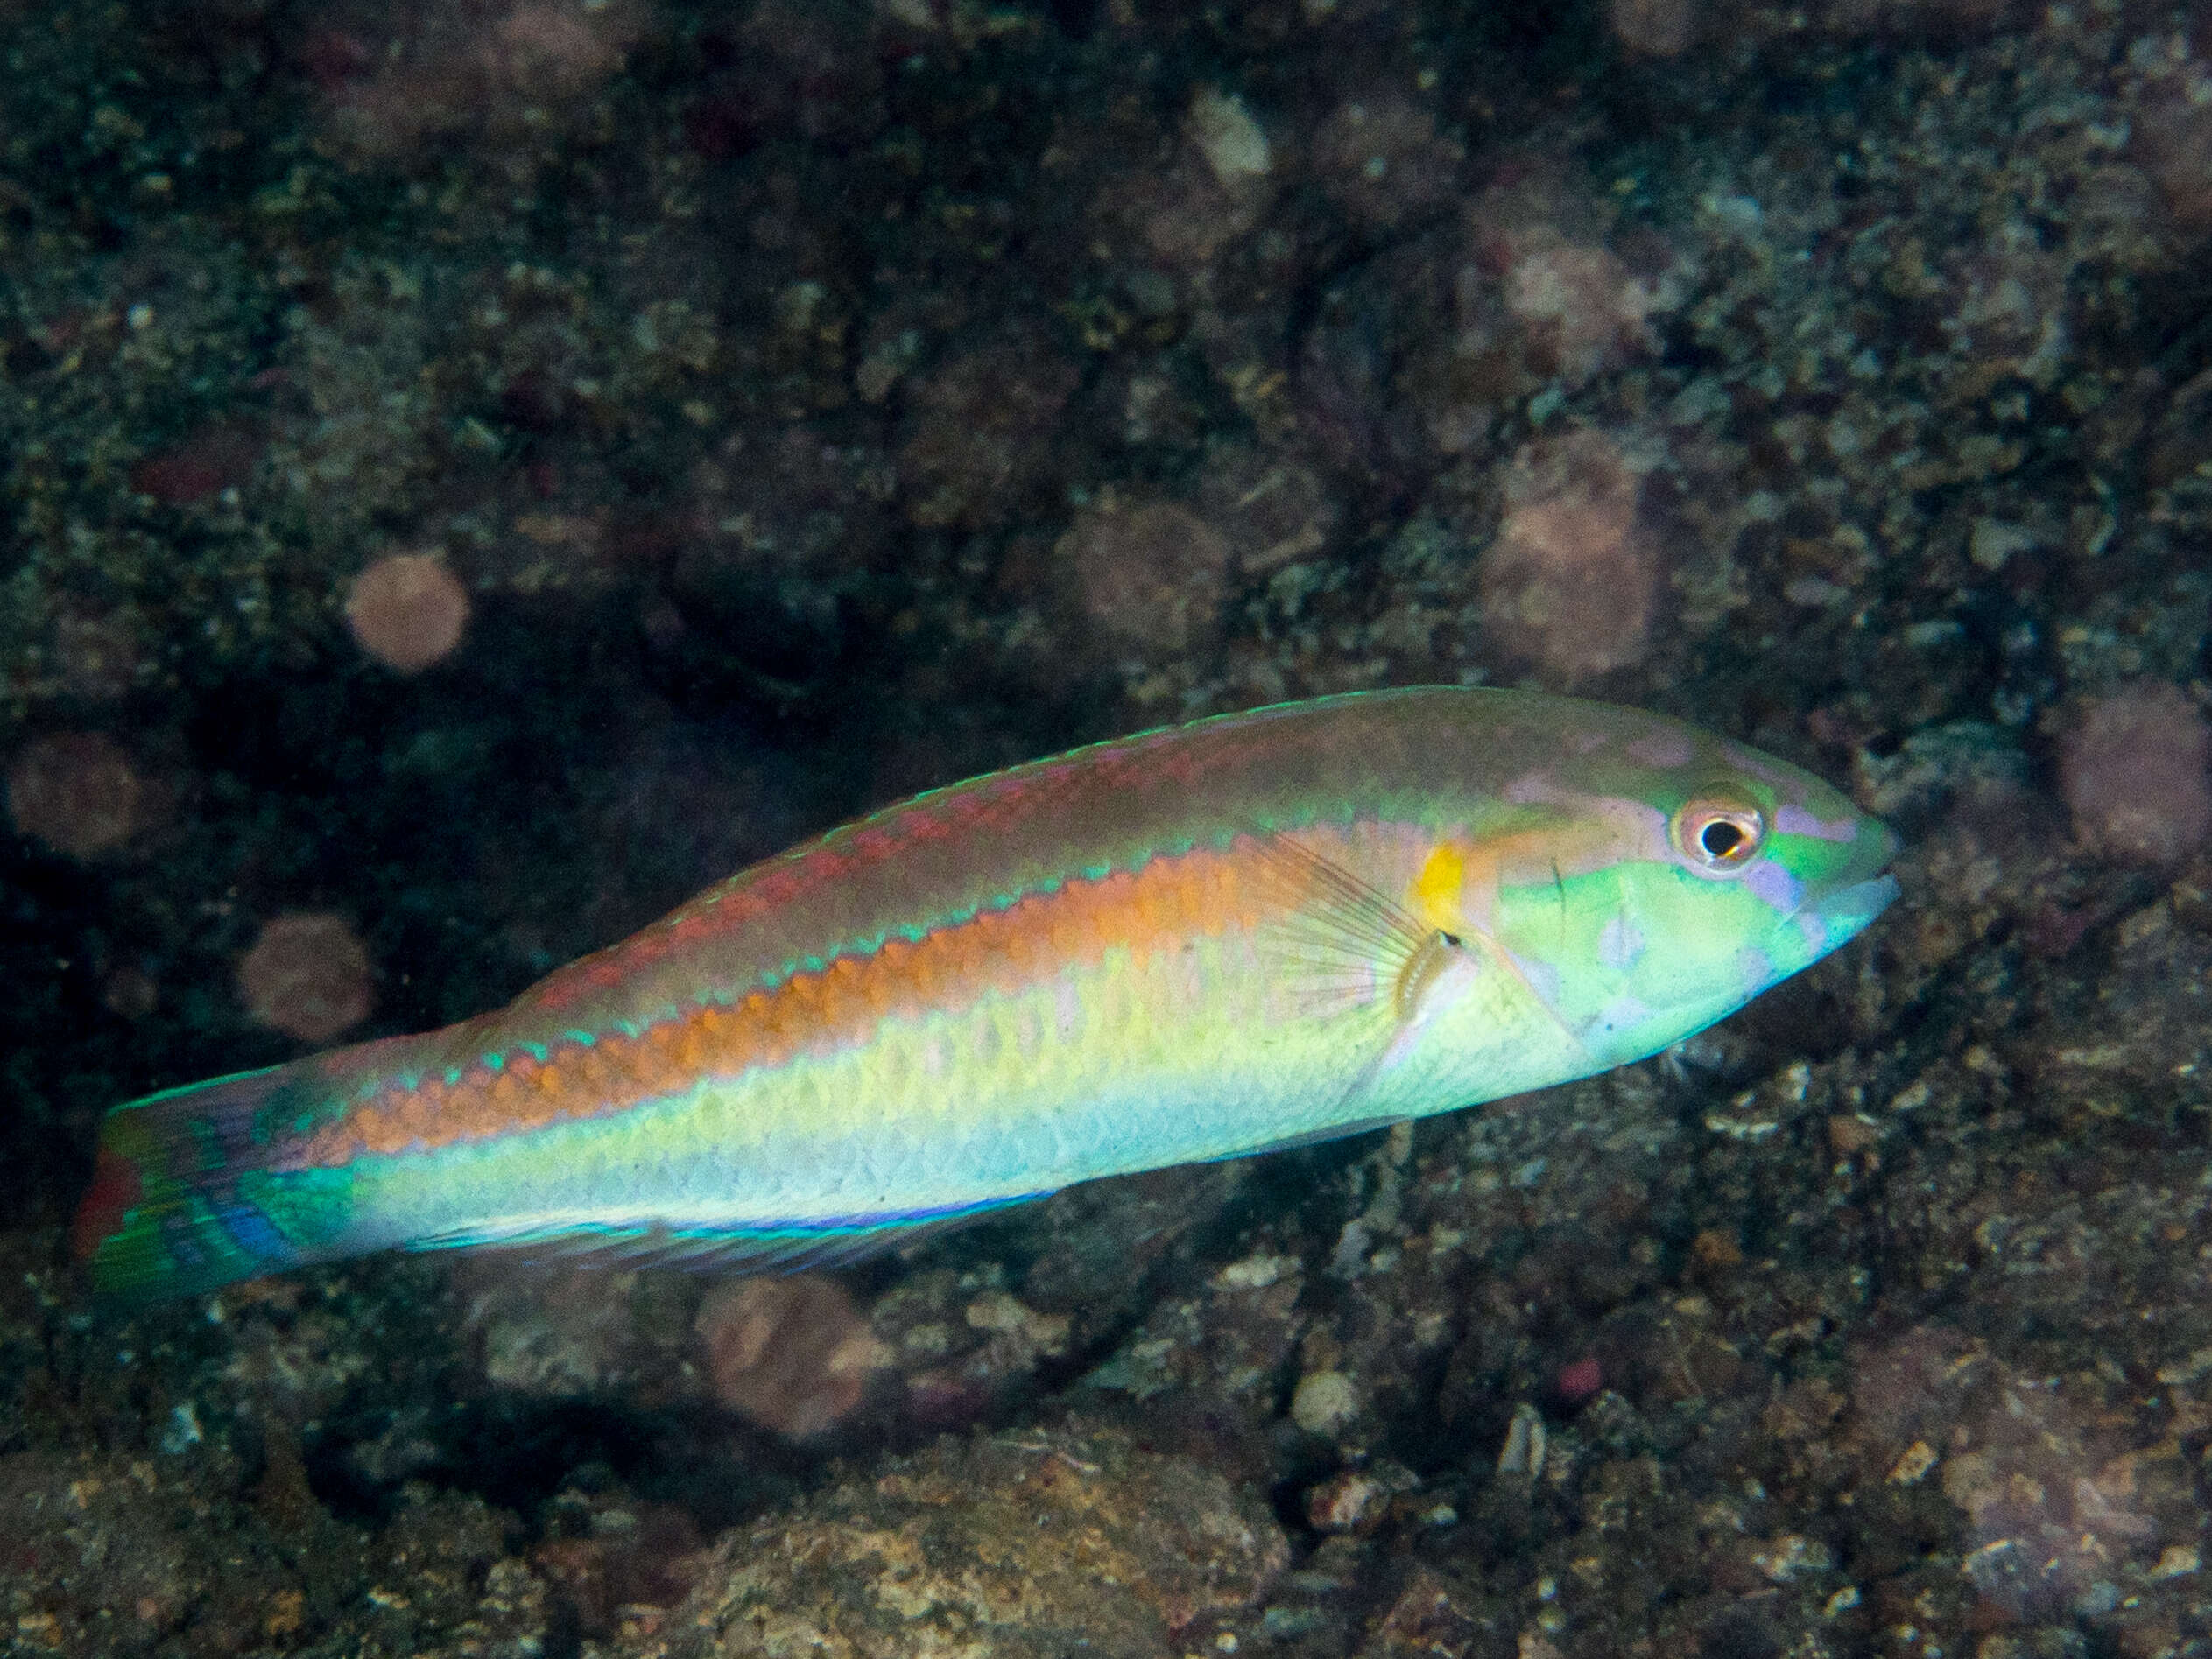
1718	833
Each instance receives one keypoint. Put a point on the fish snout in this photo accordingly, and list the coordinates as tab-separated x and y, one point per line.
1843	905
1847	909
1862	889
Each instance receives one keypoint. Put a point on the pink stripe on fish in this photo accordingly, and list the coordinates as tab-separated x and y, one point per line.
1792	819
1661	748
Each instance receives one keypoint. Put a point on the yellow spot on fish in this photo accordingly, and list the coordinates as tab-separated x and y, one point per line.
1435	898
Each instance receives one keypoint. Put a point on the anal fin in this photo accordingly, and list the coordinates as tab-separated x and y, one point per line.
793	1247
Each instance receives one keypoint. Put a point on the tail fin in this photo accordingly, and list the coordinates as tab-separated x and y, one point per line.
183	1199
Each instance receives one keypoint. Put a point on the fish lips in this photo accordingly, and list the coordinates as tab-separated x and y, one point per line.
1845	911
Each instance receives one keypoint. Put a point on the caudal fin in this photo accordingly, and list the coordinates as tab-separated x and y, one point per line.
183	1199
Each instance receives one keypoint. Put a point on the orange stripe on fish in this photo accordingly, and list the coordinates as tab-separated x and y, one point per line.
1161	906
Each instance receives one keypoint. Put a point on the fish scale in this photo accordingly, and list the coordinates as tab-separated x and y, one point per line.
1191	943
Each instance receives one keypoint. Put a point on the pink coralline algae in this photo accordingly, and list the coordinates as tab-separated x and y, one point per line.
1581	308
78	792
308	976
1654	28
1540	297
397	77
635	1563
1571	581
97	653
1383	160
2007	319
2055	1500
2173	146
407	610
1580	1380
1271	507
1581	303
793	1355
218	456
790	67
1151	575
1352	1501
2132	771
980	429
1212	180
792	506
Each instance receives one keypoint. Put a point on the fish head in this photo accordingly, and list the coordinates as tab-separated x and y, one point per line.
1675	881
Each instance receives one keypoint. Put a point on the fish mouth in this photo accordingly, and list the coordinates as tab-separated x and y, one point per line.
1848	908
1845	910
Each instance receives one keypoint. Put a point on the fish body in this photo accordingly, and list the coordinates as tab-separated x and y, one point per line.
1192	944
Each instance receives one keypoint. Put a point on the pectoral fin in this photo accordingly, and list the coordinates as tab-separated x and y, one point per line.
1339	943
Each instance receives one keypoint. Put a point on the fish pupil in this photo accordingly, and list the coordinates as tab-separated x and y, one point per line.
1720	839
